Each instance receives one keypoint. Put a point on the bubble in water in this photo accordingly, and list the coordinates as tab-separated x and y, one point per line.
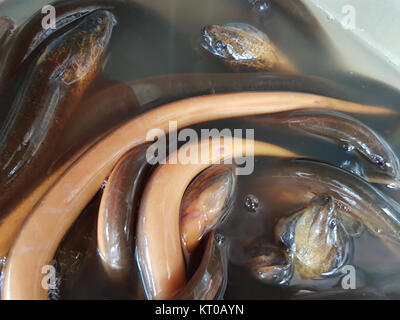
332	224
220	239
103	185
379	160
261	6
347	147
251	203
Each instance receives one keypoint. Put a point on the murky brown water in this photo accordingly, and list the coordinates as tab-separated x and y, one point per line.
149	42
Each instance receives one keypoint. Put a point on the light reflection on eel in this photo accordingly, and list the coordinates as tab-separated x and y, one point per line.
61	204
351	134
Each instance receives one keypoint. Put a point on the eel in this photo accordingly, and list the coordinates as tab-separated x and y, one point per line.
270	265
350	134
81	179
47	98
208	281
160	254
242	47
353	195
316	237
206	202
30	36
116	222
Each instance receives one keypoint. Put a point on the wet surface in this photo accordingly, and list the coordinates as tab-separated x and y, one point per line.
148	42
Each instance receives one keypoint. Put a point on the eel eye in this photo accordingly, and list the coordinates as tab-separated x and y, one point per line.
220	44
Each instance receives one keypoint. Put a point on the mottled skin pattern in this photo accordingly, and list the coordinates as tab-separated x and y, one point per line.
48	95
28	37
60	75
243	49
315	236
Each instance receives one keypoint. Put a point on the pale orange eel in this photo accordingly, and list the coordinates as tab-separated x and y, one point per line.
59	207
160	254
